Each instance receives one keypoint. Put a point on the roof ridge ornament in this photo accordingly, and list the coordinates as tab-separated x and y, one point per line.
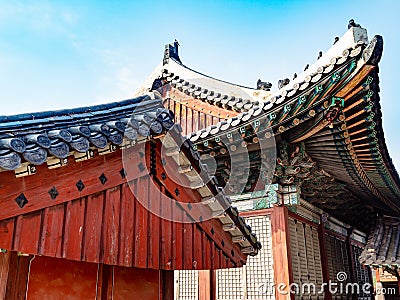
353	24
172	51
263	85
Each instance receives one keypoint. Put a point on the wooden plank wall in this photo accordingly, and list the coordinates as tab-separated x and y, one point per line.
194	114
305	253
104	222
112	227
46	278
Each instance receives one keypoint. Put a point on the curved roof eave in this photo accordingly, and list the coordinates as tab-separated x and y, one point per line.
356	53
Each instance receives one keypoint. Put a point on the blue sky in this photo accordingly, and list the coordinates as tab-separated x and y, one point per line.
65	54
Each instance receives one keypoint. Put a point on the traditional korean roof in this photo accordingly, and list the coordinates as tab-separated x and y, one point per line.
328	119
383	246
35	137
199	86
29	142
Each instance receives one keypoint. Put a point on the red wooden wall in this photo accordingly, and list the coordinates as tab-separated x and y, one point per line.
105	222
53	279
46	278
194	114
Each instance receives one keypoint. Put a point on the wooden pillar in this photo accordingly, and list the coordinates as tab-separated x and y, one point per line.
206	285
281	252
167	285
14	271
213	285
104	282
324	259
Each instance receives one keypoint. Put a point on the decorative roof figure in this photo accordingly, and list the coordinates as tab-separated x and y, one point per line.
353	24
265	86
283	82
172	51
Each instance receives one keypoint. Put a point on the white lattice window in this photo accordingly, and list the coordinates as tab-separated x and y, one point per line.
255	280
230	284
186	285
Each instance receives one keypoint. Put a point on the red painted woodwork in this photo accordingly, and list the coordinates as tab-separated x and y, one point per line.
29	232
281	249
96	229
53	278
74	222
6	233
106	223
167	285
132	283
196	212
205	284
13	275
93	226
4	270
127	228
194	114
188	244
64	179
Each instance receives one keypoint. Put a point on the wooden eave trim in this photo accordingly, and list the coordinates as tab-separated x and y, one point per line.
64	179
347	108
257	213
354	115
302	219
187	196
208	109
350	86
335	234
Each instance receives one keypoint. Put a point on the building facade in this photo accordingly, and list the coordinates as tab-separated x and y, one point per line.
306	164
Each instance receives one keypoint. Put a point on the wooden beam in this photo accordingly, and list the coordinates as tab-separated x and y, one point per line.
104	282
36	187
256	213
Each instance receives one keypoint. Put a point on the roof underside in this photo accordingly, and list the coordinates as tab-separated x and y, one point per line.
331	112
